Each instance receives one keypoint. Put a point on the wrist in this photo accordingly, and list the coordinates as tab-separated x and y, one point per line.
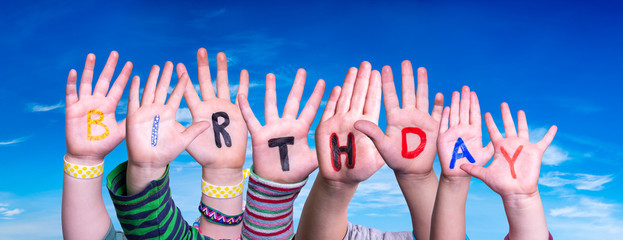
415	177
521	201
138	177
454	179
83	159
222	176
336	186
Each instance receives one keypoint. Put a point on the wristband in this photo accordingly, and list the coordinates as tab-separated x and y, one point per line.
196	226
215	191
82	171
214	216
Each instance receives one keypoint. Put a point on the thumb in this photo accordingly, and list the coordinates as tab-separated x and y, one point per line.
475	171
193	131
373	132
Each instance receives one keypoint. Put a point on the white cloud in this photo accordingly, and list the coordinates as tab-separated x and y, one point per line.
555	155
580	181
587	207
10	213
183	115
14	141
45	108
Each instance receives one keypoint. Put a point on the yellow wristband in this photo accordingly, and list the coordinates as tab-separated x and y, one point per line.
83	172
215	191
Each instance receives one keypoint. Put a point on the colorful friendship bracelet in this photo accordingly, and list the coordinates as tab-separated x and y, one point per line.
214	216
215	191
83	172
196	226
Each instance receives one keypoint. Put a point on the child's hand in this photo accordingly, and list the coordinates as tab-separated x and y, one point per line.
353	157
465	124
228	152
155	138
409	144
91	129
516	164
280	149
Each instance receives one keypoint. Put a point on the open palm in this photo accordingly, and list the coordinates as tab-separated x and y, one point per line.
109	133
516	163
413	114
204	148
301	160
465	123
155	138
359	99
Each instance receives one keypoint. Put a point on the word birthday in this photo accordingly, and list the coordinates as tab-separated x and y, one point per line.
219	129
419	148
463	154
154	131
282	143
511	161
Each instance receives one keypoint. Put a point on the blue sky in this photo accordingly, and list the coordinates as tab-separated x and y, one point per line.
559	62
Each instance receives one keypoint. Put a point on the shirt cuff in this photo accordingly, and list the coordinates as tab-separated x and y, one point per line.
268	214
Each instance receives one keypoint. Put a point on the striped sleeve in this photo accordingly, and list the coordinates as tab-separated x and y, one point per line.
150	214
268	214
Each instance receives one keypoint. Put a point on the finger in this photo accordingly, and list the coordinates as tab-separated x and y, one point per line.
474	171
422	90
375	133
252	123
330	107
390	98
548	138
522	125
163	85
222	82
150	86
243	85
71	96
373	98
193	131
361	87
464	105
313	103
454	109
507	119
270	100
87	76
205	81
116	91
343	103
438	107
443	127
103	82
190	93
475	117
178	93
494	133
133	103
408	87
291	108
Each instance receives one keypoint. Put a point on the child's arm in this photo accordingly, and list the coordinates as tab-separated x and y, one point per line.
140	191
345	155
282	159
460	143
84	215
408	145
514	174
221	159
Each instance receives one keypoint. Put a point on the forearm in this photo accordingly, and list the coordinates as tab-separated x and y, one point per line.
526	218
83	213
270	207
228	206
325	214
420	192
150	213
448	220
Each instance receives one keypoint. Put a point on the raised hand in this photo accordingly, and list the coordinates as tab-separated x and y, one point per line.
91	129
225	146
409	144
155	138
462	141
516	164
281	152
344	154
